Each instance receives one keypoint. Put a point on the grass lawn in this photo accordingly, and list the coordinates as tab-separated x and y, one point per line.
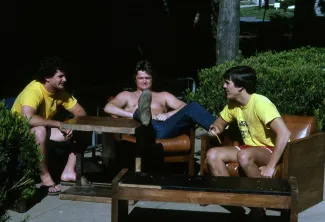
258	13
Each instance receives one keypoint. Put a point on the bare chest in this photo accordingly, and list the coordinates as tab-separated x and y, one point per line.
157	104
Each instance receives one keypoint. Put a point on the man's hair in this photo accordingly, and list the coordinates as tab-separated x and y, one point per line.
242	76
144	65
48	67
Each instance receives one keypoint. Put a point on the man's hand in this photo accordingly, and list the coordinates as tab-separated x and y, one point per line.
267	172
213	131
67	133
161	117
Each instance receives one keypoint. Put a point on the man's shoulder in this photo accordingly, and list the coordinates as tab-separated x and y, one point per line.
163	93
126	93
261	98
34	87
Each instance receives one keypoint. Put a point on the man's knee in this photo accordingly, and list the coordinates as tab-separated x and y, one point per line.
40	133
244	157
213	155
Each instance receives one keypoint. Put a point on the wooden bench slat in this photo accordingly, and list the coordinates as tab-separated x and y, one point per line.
209	183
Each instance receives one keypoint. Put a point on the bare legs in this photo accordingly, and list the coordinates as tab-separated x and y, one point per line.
249	159
69	173
218	157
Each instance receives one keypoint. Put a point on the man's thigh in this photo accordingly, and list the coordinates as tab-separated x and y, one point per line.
57	135
260	155
227	153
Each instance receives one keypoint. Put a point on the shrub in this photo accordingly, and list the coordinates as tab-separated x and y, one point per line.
19	158
293	80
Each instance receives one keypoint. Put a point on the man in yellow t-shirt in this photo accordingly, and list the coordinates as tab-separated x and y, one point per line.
39	102
263	131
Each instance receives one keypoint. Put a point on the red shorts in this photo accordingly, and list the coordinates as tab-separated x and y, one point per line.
269	148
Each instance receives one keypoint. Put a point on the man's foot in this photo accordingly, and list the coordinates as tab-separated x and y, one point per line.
144	107
48	184
68	176
52	190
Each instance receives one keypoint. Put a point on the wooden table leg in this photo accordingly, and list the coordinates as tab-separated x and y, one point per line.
80	145
79	163
145	138
108	148
120	209
294	199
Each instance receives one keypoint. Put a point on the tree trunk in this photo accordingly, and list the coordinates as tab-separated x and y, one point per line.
304	23
227	42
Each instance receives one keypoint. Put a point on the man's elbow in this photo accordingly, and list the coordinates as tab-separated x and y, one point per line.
107	109
80	112
286	135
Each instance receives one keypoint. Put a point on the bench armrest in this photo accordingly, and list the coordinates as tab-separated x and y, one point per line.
304	159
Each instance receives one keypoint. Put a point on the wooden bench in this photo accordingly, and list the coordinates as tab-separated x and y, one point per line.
303	157
233	191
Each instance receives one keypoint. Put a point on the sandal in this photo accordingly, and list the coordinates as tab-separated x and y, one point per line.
49	189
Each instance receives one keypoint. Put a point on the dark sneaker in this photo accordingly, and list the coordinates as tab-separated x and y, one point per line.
144	107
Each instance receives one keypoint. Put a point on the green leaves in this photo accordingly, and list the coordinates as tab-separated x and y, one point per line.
19	158
293	80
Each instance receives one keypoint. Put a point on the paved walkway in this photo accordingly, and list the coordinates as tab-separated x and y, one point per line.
52	209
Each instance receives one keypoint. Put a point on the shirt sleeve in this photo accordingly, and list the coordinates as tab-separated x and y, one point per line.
68	101
266	111
31	98
226	114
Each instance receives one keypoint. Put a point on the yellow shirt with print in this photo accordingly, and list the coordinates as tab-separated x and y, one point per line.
253	120
45	103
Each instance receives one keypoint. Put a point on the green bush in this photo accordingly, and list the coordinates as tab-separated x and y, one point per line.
293	80
19	158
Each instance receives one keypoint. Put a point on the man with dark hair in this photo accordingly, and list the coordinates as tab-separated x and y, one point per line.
263	131
39	102
167	115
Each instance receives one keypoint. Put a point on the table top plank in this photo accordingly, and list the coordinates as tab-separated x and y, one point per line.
208	183
102	124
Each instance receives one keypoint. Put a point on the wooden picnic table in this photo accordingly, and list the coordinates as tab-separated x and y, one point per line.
105	125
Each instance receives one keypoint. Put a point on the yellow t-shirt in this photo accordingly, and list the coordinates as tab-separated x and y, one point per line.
45	103
253	120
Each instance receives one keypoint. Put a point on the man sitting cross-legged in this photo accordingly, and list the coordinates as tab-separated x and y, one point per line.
152	107
263	131
39	102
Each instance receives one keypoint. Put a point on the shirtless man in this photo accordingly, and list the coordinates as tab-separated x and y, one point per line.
39	101
168	115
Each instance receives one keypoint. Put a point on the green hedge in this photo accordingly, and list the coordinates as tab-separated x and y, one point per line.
293	80
20	160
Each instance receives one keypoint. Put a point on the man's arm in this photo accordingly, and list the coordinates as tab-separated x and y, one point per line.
77	110
218	126
116	105
282	138
172	103
36	120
